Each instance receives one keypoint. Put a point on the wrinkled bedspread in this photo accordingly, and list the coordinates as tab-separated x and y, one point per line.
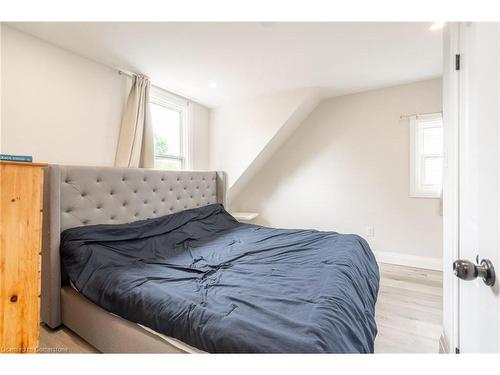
226	287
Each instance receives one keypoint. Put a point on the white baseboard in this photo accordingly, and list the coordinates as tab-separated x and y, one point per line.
409	260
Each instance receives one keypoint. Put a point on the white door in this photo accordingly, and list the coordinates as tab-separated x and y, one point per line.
479	191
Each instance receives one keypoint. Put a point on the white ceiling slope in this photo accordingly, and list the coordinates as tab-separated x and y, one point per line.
218	63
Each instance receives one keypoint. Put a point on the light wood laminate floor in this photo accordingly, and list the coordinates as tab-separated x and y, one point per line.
408	313
409	310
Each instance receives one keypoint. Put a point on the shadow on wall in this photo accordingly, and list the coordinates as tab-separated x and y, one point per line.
286	163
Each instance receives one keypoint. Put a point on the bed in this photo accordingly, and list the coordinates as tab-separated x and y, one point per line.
153	263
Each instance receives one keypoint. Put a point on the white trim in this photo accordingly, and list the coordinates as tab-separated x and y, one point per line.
408	260
417	188
190	121
167	97
451	175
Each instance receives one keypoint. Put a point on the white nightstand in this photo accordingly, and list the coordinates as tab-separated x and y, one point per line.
245	217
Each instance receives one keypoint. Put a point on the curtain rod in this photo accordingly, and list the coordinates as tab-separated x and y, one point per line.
418	114
132	75
123	73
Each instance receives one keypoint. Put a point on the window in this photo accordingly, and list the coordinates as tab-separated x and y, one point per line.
426	155
169	120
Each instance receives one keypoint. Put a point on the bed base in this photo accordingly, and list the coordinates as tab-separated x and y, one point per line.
110	333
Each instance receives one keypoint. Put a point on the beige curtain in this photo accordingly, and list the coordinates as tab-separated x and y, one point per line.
136	143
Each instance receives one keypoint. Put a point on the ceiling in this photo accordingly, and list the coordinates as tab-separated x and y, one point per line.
218	63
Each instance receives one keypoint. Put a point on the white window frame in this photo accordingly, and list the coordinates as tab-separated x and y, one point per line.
168	100
417	188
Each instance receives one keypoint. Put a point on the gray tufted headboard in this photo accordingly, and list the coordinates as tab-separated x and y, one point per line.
77	196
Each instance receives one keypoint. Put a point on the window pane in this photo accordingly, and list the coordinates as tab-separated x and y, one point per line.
433	140
167	130
433	170
168	164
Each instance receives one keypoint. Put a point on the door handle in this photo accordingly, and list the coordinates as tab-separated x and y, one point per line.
466	270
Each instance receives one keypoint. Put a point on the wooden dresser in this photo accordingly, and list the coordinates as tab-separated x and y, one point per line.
21	198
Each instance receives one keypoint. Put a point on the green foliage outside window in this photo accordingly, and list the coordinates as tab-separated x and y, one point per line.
161	146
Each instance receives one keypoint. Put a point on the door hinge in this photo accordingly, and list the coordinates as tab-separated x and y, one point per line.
457	62
457	351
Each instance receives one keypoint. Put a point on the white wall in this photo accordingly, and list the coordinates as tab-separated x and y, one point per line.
346	168
200	116
239	132
58	106
63	108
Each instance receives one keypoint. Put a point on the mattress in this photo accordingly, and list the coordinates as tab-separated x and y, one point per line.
221	286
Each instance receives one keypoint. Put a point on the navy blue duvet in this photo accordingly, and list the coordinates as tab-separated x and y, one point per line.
226	287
